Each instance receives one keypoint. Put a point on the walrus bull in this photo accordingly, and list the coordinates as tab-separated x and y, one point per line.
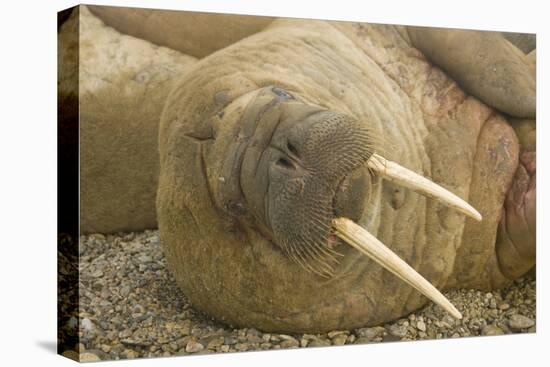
266	145
280	150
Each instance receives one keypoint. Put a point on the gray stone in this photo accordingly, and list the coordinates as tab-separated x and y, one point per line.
339	339
193	347
398	330
289	342
318	342
89	357
420	325
371	332
87	325
491	330
335	333
518	322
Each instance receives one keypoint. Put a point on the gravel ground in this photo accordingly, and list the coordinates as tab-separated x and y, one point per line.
131	307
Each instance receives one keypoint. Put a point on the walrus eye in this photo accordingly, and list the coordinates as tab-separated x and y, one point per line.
282	93
283	162
292	149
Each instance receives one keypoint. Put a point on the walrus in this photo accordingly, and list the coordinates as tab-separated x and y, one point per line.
275	154
280	150
118	84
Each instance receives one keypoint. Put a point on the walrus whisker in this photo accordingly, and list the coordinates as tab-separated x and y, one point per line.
402	176
362	240
312	251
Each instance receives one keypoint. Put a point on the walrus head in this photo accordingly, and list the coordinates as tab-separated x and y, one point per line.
299	174
292	169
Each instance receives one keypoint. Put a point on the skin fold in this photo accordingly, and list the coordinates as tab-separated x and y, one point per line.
257	136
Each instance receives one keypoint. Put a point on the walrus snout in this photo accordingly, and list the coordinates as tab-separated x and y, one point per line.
303	167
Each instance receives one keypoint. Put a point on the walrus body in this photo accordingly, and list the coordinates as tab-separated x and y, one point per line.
229	268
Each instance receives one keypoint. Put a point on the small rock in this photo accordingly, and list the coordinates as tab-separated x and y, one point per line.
105	348
398	330
71	354
335	333
229	340
145	259
241	347
215	343
254	336
339	339
420	325
80	348
518	322
371	332
391	338
72	323
130	354
503	306
89	357
448	321
124	334
87	324
319	343
289	342
97	274
193	347
491	330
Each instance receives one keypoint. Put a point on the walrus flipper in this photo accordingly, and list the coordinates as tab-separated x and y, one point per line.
485	64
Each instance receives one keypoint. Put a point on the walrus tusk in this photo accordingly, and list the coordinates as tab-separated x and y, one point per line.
366	243
393	172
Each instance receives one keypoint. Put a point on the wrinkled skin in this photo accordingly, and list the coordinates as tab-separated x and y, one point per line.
236	189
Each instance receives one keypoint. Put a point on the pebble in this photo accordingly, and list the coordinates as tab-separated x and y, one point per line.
371	332
398	330
215	343
333	334
105	348
193	347
130	353
491	330
131	307
89	357
72	323
319	343
87	325
518	322
290	342
71	354
97	274
420	325
339	339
